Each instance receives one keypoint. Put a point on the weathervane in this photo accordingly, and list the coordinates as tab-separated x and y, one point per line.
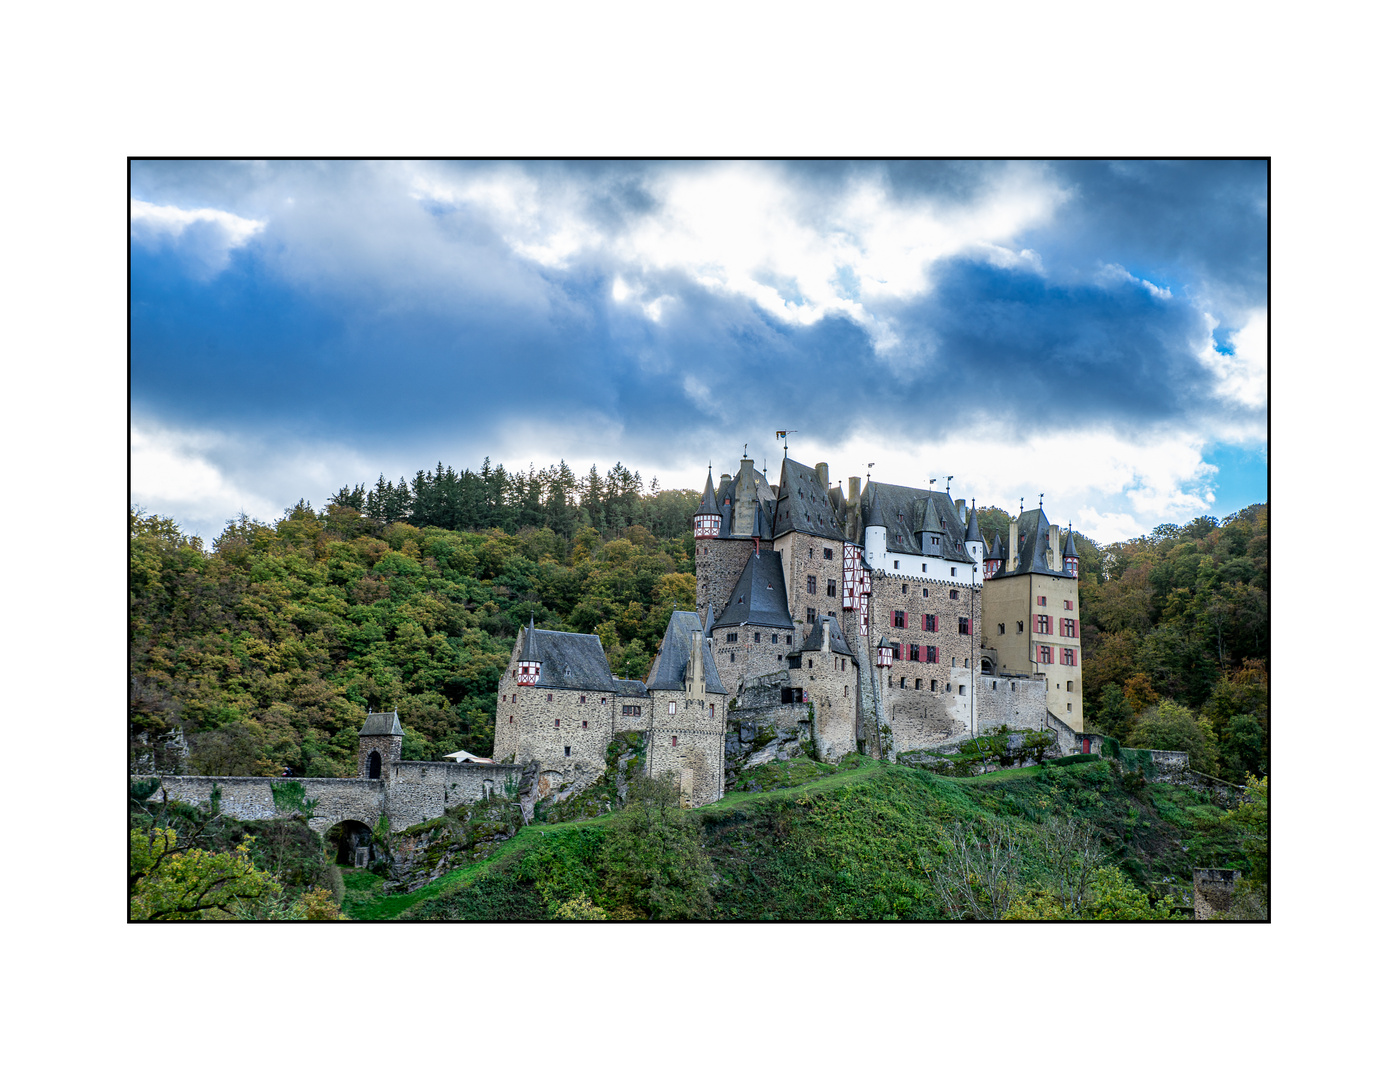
949	480
1041	502
782	436
868	475
1021	506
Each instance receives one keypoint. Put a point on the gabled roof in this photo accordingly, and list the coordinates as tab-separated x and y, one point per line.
382	723
671	664
804	504
906	511
570	661
815	639
760	595
1033	547
629	687
739	498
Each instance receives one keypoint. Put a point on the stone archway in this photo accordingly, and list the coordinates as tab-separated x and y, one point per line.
353	842
375	764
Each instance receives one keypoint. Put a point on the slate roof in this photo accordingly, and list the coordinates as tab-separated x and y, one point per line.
1033	547
628	687
382	723
906	511
760	595
570	661
997	549
804	505
973	530
838	644
708	504
739	497
671	664
1070	548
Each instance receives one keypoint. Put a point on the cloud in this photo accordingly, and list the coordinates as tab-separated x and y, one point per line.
204	236
661	313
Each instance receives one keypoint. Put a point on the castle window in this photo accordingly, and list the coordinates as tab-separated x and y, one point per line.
1069	657
1068	627
905	591
582	699
933	654
711	712
953	571
514	699
932	685
810	663
895	564
961	689
924	568
924	593
811	584
1002	627
672	708
1070	706
1020	625
788	639
842	663
899	619
914	653
829	554
512	719
1067	605
793	662
757	639
732	638
1045	654
557	723
829	586
774	639
929	622
584	725
1043	624
550	697
955	595
674	740
993	685
567	751
810	614
847	690
1043	601
732	658
963	626
1070	686
917	684
810	552
897	650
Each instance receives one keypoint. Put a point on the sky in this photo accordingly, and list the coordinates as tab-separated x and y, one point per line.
1095	332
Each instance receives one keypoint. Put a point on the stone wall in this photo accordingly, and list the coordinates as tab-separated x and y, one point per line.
1213	891
1019	702
249	798
746	660
830	684
804	556
688	743
718	564
421	790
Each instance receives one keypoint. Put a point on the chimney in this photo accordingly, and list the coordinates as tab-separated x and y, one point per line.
823	476
825	635
1012	556
961	511
694	682
1054	562
852	510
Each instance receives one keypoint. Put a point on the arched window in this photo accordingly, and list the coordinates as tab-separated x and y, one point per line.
375	765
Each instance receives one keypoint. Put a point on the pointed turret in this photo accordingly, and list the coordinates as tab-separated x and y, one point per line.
529	658
1070	554
885	652
875	530
707	519
973	531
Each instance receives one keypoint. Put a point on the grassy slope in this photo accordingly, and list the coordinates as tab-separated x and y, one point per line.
849	845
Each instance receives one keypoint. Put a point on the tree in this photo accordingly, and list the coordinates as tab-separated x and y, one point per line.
1113	716
1168	726
976	875
1139	694
171	880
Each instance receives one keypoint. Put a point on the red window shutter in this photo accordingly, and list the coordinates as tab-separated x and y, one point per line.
934	622
936	654
1062	627
891	617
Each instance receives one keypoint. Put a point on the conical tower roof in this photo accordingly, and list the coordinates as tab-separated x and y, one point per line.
973	531
997	550
709	503
874	518
1069	548
530	651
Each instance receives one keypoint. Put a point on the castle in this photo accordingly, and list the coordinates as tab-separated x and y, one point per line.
876	607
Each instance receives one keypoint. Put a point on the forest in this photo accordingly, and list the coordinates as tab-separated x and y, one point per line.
264	652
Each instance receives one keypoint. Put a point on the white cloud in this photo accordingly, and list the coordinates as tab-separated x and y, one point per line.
205	234
1242	376
745	229
1115	274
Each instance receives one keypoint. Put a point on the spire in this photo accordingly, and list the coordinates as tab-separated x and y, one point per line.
709	621
530	650
875	518
997	551
709	504
1069	549
973	532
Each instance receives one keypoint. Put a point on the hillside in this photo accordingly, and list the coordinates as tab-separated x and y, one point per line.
871	840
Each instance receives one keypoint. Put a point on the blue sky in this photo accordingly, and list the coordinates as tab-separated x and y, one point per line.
1094	331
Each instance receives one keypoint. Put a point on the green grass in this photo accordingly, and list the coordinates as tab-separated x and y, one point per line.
851	844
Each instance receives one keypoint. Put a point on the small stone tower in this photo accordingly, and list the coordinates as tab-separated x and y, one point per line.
380	744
